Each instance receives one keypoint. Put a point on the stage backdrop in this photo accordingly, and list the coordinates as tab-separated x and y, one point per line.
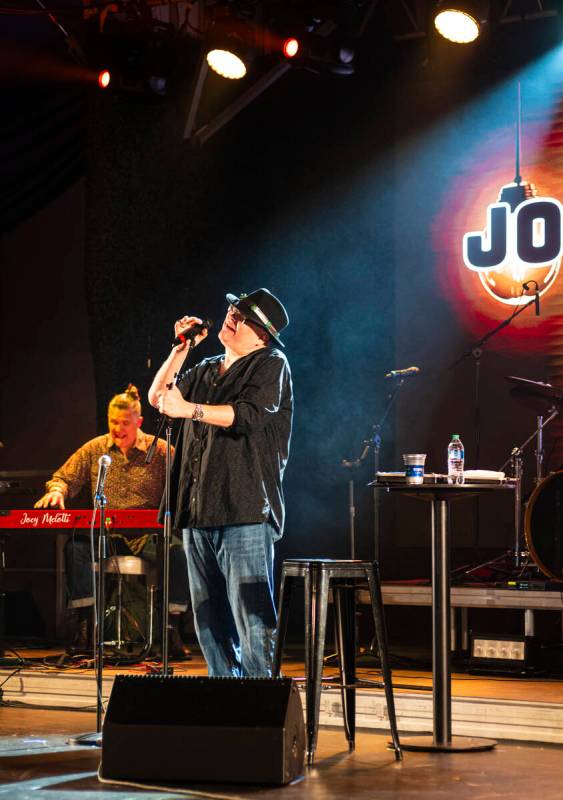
457	279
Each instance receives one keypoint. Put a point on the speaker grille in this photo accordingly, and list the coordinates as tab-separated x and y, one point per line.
180	728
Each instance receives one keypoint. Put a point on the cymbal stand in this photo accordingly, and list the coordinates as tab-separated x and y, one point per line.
539	449
517	461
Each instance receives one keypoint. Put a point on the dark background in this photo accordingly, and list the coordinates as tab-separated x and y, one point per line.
325	190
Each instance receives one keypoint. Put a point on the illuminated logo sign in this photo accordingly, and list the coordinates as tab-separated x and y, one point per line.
522	241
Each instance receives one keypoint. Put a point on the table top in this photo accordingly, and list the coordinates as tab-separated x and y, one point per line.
435	488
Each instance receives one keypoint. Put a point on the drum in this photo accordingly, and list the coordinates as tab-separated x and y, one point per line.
543	525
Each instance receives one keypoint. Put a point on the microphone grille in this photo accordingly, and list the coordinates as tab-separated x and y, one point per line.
104	461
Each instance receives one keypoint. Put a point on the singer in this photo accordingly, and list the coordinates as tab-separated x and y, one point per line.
130	483
226	493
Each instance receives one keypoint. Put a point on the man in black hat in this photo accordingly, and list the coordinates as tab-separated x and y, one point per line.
226	488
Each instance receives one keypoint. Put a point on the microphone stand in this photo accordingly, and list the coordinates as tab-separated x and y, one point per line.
100	503
95	739
167	531
476	350
374	442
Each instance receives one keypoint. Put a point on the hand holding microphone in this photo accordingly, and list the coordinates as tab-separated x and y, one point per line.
190	329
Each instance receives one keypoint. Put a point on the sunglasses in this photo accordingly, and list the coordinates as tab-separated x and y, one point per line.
235	314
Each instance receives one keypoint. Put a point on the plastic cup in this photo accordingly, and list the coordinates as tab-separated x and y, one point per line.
414	467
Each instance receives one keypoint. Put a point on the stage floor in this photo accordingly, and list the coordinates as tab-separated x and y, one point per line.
508	708
47	772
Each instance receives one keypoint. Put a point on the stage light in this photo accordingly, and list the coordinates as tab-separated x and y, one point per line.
104	79
291	47
231	45
456	26
460	21
226	63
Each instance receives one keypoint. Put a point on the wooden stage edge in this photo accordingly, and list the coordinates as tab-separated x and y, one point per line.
529	709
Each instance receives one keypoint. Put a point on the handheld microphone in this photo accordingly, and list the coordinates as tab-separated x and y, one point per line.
409	372
526	286
191	333
103	464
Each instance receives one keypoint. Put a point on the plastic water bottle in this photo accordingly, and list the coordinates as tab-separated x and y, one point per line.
456	458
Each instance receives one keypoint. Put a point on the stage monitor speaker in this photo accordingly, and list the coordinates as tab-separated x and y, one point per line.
181	729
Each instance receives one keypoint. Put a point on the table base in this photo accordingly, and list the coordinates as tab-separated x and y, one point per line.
457	744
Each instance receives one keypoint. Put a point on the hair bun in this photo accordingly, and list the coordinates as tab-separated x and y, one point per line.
133	392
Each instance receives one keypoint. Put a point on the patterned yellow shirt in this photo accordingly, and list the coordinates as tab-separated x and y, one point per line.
130	483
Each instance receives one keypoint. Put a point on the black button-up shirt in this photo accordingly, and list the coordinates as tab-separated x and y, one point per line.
232	476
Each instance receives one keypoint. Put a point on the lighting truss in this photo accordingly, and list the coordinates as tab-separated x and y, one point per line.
273	14
408	19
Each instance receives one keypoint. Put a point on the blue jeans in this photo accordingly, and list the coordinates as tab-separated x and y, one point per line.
231	584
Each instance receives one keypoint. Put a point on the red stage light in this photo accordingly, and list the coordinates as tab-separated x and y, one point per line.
104	78
291	47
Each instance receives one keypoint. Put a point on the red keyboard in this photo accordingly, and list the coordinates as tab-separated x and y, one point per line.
32	518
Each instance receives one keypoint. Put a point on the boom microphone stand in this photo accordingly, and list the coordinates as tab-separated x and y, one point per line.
476	350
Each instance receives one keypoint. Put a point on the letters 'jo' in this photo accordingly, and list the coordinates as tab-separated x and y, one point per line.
530	234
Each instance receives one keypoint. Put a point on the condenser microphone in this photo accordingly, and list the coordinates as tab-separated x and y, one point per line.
409	372
195	330
103	464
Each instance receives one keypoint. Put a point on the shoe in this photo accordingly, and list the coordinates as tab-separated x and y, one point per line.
176	646
82	640
177	650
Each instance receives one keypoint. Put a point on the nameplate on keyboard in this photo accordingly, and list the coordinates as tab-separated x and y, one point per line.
30	519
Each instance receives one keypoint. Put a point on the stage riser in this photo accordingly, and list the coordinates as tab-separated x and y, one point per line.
498	719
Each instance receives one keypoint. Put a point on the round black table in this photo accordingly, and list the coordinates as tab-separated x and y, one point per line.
441	495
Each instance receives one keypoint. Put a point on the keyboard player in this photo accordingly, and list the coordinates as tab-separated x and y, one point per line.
130	484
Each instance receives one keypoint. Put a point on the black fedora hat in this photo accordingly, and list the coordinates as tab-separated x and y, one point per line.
264	309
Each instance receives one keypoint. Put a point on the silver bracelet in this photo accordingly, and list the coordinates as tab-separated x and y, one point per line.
197	413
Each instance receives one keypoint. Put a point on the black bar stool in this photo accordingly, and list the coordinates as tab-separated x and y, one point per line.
320	575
